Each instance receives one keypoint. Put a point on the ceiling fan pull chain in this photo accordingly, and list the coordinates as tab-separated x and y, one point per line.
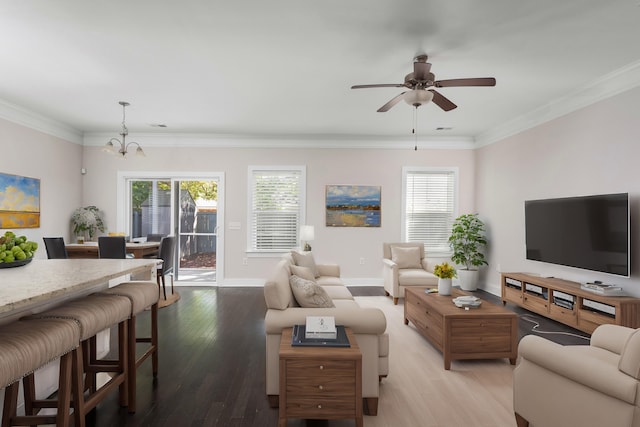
415	128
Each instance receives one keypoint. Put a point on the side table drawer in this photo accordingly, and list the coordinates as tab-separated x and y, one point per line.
320	407
338	386
314	368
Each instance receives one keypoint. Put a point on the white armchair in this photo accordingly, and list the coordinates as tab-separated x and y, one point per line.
406	264
579	385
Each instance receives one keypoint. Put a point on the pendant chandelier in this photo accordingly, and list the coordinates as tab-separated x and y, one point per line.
120	146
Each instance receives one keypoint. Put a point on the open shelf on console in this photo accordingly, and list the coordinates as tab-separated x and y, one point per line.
565	302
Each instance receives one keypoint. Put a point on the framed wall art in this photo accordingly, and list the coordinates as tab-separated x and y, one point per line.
353	206
19	201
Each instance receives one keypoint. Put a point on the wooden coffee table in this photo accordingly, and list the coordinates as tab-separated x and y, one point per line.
320	382
487	332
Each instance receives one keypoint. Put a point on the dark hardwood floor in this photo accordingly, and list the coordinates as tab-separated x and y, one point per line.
212	362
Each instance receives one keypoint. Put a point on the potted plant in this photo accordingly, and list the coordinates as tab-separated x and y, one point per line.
467	241
86	221
445	273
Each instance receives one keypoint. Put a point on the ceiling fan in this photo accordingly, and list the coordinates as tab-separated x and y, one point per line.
419	82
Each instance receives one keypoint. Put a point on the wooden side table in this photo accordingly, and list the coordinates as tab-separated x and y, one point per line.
320	382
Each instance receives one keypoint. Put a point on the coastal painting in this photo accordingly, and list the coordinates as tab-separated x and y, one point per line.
353	206
19	201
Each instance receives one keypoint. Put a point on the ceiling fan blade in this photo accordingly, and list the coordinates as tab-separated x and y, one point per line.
421	70
386	107
442	101
481	81
378	85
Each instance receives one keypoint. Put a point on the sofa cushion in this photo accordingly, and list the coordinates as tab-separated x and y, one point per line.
305	259
303	272
329	281
336	292
416	277
309	294
406	257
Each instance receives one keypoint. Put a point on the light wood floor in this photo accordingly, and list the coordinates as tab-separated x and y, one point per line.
420	392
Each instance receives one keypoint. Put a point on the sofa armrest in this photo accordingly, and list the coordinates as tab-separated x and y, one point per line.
332	270
390	277
611	337
361	320
578	367
387	263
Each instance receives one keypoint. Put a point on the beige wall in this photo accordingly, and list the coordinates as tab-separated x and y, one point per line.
345	246
591	151
57	164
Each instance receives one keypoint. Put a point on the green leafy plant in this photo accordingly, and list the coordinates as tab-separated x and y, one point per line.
444	271
87	219
467	241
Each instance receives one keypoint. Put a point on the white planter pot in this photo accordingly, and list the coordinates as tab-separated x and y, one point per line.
468	279
444	286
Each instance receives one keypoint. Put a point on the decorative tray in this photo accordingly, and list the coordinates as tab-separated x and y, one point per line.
15	263
467	301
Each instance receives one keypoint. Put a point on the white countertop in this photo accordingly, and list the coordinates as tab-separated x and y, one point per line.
51	281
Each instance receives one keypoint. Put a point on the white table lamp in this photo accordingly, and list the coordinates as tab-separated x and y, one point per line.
306	235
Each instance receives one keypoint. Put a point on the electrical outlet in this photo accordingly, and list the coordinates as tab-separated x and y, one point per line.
498	268
362	261
245	261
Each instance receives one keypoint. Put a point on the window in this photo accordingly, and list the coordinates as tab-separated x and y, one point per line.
429	206
276	207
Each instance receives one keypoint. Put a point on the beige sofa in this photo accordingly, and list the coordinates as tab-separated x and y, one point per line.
592	385
368	324
406	264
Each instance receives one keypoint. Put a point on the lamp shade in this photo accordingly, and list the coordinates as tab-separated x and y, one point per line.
306	233
417	97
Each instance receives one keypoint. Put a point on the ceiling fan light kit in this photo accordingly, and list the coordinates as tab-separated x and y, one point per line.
120	147
417	97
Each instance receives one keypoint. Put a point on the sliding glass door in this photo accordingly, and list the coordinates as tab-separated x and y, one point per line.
186	206
197	213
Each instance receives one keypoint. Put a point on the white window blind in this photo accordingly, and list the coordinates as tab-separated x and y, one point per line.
276	208
429	207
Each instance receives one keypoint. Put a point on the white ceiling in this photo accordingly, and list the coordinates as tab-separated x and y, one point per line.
284	68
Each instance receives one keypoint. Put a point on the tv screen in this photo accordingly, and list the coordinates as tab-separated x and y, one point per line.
590	232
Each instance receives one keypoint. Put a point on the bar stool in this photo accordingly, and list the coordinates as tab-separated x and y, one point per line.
25	346
142	295
95	313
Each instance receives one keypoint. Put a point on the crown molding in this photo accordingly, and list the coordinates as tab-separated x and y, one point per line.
35	121
193	140
609	85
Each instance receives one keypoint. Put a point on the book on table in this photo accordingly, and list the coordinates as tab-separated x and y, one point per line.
299	339
322	327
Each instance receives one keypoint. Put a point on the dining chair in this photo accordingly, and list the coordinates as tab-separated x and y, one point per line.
112	247
154	237
56	248
167	254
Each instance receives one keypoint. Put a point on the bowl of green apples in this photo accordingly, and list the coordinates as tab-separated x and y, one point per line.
16	251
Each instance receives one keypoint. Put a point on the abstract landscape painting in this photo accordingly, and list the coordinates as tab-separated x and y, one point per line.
19	201
352	206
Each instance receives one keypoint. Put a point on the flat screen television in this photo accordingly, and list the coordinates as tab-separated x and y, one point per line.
589	232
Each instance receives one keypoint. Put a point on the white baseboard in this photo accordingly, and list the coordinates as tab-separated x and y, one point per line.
252	283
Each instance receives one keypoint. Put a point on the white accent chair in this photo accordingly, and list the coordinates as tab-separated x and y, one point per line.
406	264
579	385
